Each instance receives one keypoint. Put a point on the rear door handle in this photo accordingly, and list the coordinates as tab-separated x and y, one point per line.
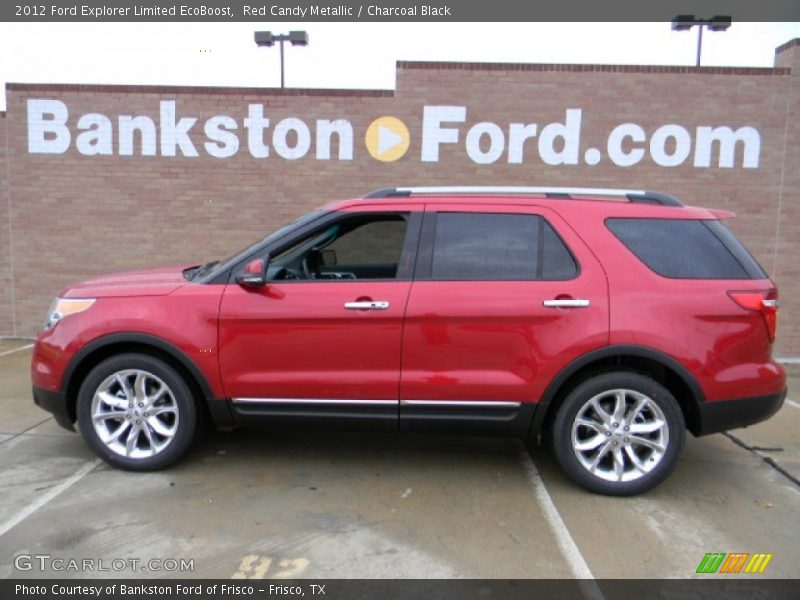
567	303
367	305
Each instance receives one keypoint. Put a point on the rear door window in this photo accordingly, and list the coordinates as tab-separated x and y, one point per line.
492	246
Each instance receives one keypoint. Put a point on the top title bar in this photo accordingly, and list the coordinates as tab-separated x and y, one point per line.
393	10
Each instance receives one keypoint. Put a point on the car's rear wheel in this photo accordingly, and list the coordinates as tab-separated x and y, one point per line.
618	433
136	412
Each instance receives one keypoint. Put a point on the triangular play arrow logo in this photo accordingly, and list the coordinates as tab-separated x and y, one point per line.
387	139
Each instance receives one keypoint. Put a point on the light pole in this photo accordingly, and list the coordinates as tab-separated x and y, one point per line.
686	22
268	39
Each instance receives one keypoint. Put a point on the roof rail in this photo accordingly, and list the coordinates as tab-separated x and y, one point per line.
635	196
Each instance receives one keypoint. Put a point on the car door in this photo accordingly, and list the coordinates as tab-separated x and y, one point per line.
323	336
504	296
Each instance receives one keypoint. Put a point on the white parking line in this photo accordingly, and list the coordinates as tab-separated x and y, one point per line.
577	564
793	403
45	498
16	350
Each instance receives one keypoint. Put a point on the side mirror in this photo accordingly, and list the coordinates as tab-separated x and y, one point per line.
254	274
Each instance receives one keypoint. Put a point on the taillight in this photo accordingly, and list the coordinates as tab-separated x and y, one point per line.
763	301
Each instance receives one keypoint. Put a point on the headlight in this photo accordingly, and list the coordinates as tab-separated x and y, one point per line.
63	307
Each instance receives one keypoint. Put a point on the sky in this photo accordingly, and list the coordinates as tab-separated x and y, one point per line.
349	55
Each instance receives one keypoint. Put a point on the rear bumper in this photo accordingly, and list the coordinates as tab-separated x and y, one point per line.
55	403
722	415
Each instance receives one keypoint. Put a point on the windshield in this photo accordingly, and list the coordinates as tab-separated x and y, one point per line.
298	222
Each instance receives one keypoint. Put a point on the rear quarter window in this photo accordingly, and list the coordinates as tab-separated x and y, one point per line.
687	248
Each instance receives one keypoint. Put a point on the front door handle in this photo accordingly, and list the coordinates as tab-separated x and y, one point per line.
567	303
367	305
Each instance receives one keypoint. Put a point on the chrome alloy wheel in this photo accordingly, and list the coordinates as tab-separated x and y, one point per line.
620	435
134	413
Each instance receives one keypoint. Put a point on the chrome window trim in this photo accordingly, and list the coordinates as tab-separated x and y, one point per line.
460	403
311	401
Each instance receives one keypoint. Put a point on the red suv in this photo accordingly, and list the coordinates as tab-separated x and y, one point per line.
609	320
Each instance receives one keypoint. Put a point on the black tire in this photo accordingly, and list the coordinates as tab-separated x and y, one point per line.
613	439
176	407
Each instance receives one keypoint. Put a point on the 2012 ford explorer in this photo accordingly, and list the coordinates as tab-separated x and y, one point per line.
610	321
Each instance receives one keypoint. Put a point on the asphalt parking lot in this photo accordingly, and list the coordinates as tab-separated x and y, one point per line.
331	504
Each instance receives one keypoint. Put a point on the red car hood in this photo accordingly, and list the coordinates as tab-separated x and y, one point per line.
146	282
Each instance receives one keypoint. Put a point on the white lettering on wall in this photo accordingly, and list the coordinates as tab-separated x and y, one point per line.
617	141
569	132
281	143
47	127
727	139
518	133
51	130
128	126
175	134
674	137
497	142
325	131
433	134
256	123
224	142
97	135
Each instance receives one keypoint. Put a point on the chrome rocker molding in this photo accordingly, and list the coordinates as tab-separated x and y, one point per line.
329	401
460	403
313	401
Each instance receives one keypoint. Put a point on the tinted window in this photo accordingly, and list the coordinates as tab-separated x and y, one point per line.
682	249
375	242
480	246
557	261
736	248
358	247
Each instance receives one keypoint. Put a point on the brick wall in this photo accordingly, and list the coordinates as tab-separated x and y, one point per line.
75	216
6	283
787	228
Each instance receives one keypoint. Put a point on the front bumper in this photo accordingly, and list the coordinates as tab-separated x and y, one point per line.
722	415
55	403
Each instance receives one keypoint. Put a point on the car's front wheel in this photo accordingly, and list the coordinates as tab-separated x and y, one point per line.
618	433
136	412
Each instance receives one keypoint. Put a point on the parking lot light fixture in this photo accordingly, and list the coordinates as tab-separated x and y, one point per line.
268	39
686	22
